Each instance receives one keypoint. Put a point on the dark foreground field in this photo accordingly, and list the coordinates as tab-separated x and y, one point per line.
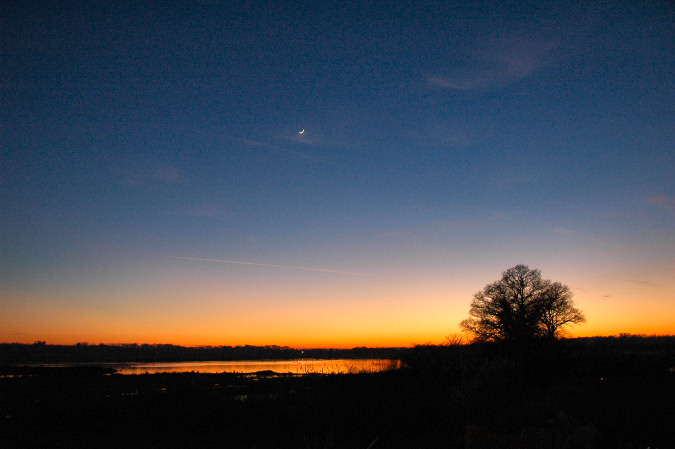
472	397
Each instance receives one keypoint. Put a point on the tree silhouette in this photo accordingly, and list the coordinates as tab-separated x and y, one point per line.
558	309
521	306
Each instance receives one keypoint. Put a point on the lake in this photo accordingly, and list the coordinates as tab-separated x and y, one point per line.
301	366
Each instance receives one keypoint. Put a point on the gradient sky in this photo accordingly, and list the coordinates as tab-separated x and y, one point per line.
144	145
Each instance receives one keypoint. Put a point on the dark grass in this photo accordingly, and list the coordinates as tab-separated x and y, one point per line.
595	394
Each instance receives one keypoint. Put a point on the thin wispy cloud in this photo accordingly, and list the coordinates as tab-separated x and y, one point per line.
599	242
152	176
401	236
662	201
594	298
505	62
271	265
204	210
644	283
306	138
442	133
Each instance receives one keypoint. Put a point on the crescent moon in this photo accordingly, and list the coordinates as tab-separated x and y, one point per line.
302	131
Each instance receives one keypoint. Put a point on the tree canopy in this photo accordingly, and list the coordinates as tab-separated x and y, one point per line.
521	306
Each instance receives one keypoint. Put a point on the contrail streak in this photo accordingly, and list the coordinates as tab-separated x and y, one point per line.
290	267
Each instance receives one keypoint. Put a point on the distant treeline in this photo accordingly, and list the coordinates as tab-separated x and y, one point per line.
40	352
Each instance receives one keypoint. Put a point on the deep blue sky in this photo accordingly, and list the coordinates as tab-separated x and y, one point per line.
443	143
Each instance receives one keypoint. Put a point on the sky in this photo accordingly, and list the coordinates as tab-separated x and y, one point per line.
330	174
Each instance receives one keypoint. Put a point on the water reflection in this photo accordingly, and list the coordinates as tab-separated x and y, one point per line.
304	366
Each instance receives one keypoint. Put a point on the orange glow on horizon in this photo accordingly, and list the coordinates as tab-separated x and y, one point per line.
297	341
331	314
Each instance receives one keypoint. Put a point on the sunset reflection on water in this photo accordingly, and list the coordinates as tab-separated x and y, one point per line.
303	366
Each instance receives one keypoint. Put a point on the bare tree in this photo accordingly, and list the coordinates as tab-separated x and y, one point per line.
558	309
520	306
454	340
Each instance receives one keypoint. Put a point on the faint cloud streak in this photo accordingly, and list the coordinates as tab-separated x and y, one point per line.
507	61
662	201
643	283
204	211
305	138
158	175
279	149
270	265
590	239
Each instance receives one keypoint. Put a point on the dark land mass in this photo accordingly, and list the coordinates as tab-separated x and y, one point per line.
580	393
40	352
